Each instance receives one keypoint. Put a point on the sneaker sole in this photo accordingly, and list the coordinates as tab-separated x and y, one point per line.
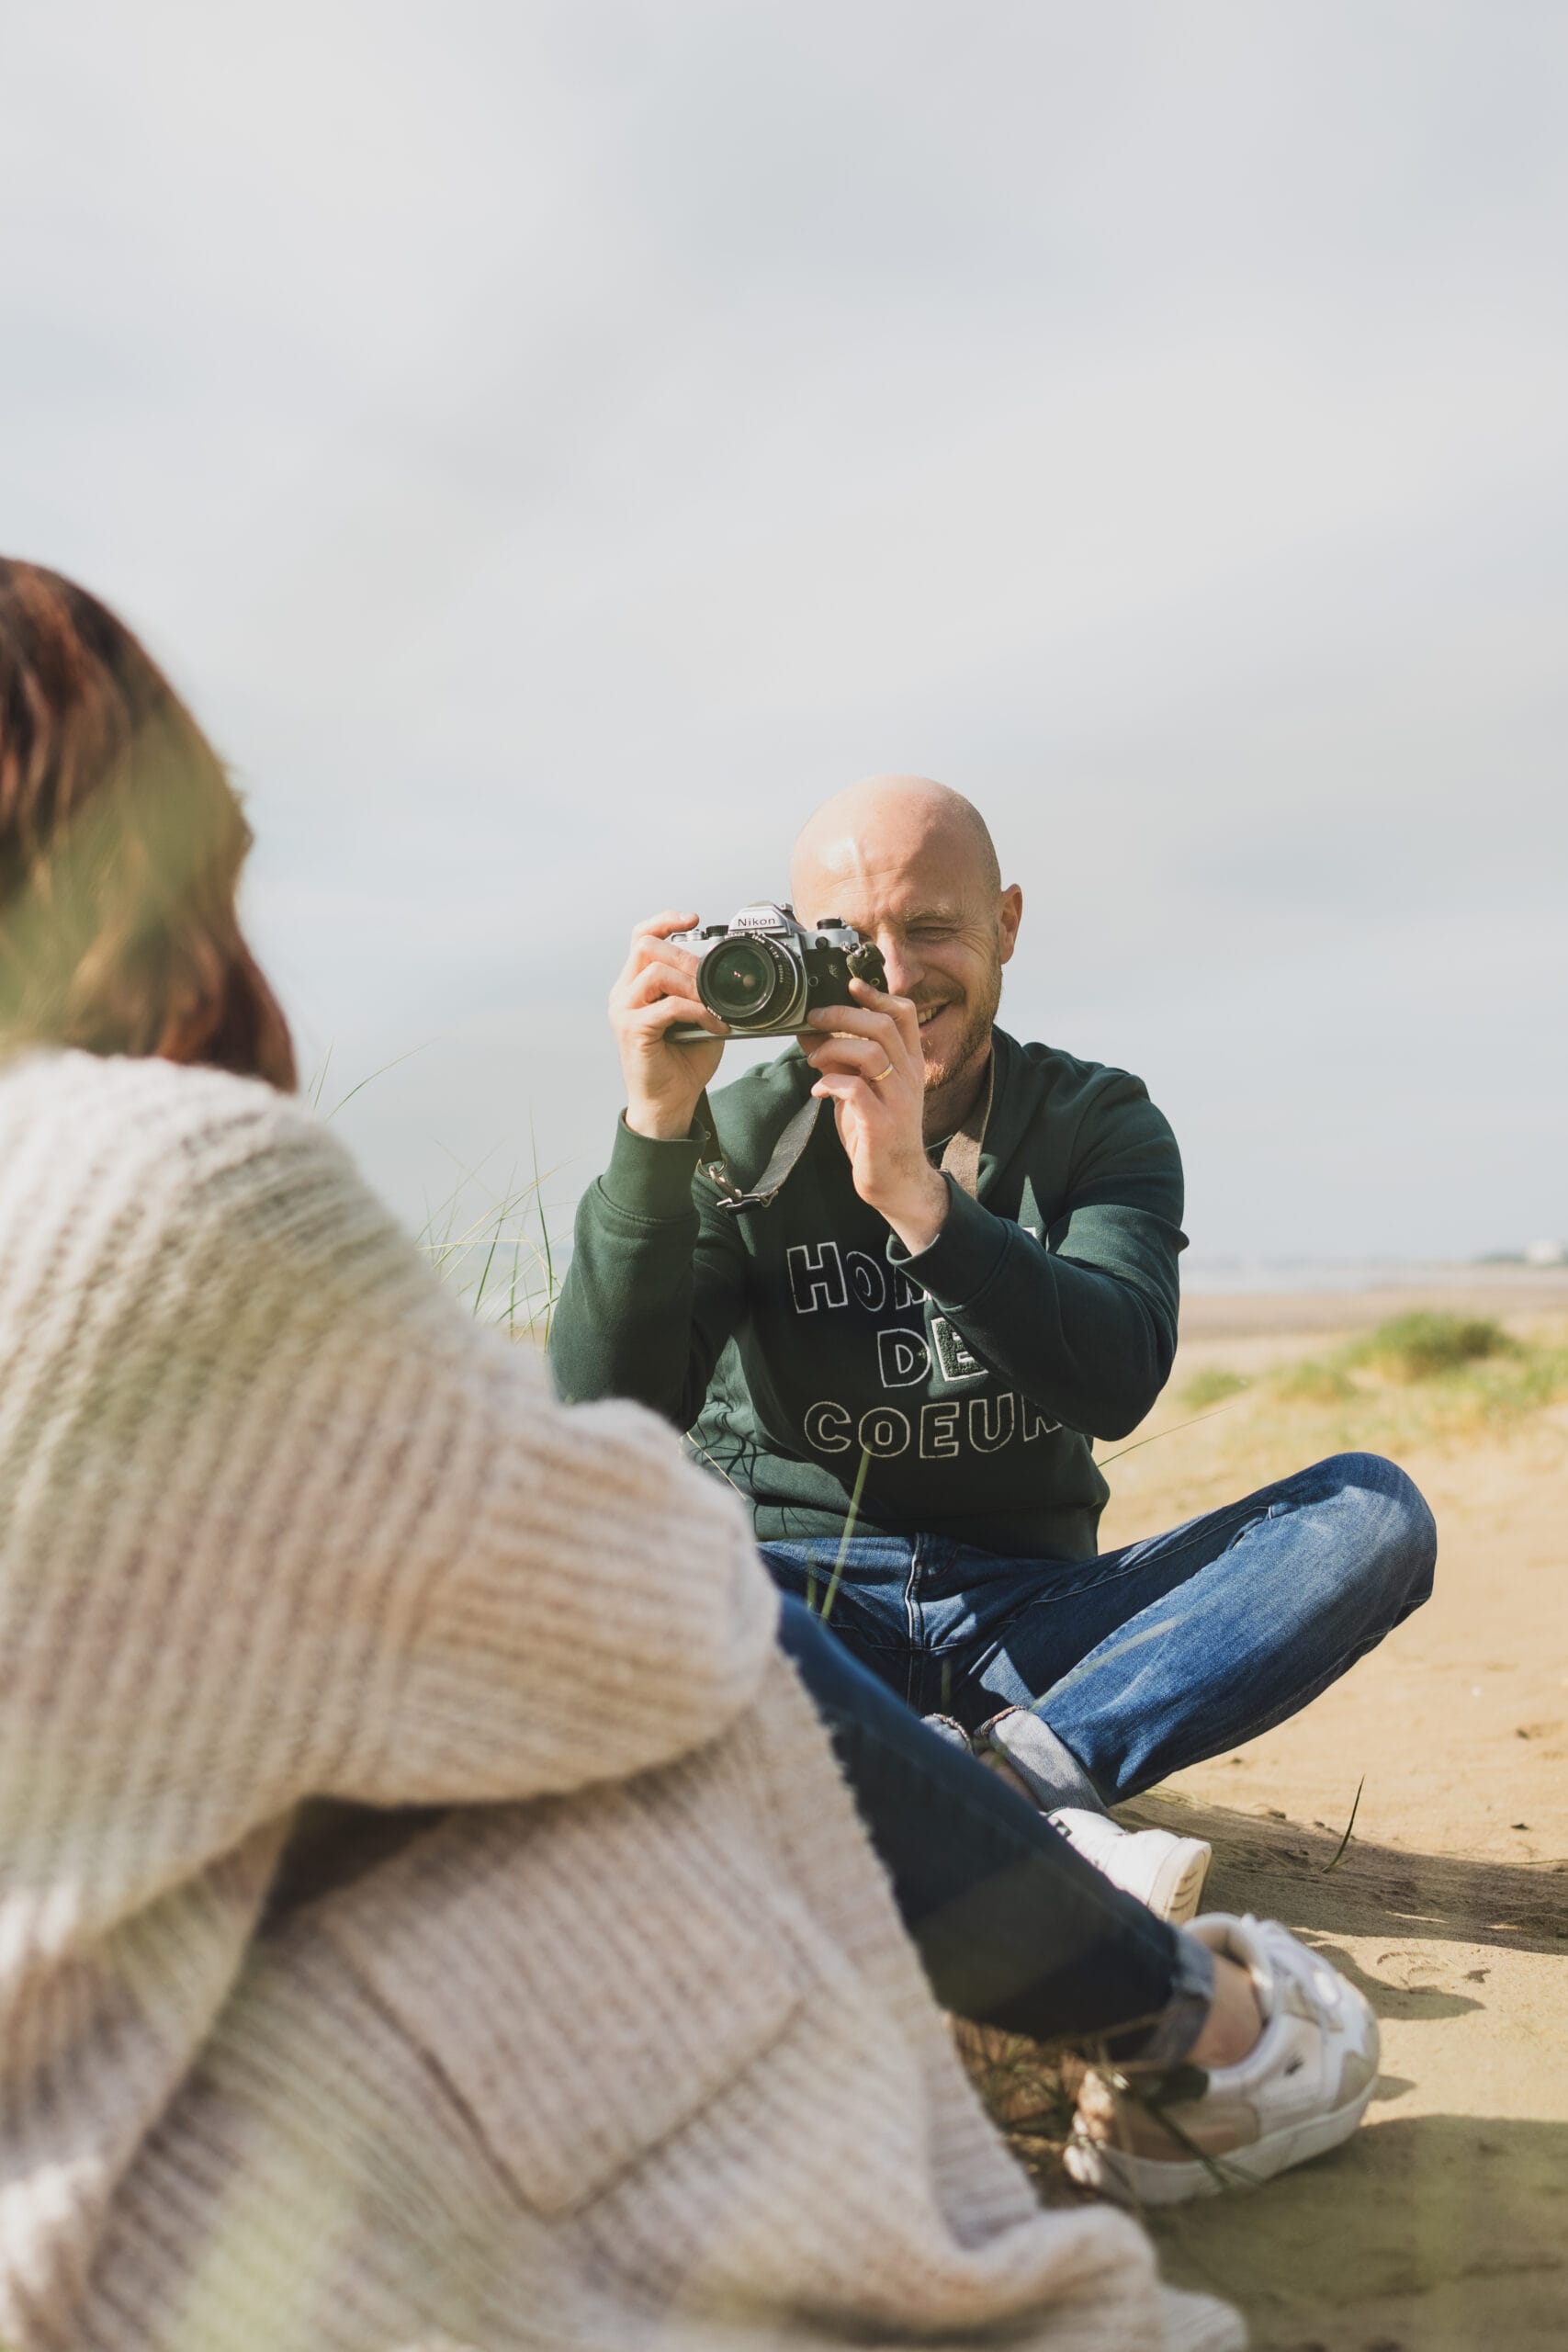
1151	2180
1177	1888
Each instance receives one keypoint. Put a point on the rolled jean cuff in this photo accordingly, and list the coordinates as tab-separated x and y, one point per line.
1169	2040
1047	1766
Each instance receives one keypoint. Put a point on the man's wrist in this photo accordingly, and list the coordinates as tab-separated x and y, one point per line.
919	1215
657	1124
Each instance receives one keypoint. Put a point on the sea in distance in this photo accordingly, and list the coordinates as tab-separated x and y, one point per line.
1216	1275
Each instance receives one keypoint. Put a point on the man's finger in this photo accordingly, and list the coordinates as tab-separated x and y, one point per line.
651	949
651	934
903	1009
855	1020
655	979
661	926
846	1087
666	1011
864	1056
870	1006
896	1044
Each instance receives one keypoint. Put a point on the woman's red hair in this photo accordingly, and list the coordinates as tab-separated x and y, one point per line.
121	843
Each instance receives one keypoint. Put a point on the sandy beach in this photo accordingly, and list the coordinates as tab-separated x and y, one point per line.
1443	2227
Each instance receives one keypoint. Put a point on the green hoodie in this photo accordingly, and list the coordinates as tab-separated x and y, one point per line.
798	1341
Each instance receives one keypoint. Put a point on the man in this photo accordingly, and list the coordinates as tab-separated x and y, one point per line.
901	1361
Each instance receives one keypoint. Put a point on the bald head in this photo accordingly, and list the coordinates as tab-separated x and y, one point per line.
911	864
887	819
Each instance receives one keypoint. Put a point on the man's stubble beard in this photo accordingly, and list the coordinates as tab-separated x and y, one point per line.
975	1039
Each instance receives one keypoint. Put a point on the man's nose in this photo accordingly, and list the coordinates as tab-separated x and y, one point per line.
905	970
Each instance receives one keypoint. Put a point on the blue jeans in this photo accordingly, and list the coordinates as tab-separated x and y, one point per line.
1152	1656
1013	1927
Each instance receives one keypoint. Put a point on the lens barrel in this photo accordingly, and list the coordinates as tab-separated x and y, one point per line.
751	983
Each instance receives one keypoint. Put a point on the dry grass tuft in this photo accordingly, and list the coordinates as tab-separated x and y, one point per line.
1422	1379
1428	1343
1212	1387
1029	2093
1312	1383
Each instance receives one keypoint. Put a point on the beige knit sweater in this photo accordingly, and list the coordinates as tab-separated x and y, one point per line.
628	2049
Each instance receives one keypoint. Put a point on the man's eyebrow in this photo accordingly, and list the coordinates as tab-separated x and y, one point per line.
942	914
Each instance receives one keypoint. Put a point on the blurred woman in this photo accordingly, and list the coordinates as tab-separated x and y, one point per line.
600	2026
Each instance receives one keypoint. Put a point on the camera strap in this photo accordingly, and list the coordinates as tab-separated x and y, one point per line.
781	1160
960	1158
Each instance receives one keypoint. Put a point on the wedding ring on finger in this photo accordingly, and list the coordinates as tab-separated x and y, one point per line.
877	1078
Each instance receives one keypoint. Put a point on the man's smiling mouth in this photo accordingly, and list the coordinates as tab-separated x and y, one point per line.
930	1013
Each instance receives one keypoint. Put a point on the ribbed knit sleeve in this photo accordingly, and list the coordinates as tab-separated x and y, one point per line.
280	1519
604	1610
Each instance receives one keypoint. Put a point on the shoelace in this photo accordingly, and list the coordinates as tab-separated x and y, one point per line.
1157	2094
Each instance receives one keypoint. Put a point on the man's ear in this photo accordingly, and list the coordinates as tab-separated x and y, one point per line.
1009	915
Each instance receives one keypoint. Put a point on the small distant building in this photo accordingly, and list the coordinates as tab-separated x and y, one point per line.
1547	1253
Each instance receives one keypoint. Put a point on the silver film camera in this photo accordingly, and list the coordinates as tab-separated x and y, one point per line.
764	972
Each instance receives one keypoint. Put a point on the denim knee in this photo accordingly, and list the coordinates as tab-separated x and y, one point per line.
1399	1543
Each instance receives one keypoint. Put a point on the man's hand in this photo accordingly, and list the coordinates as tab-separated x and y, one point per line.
873	1073
657	988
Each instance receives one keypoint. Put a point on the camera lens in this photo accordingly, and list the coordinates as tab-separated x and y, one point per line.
741	980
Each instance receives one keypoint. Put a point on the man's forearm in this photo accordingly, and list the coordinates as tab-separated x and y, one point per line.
1087	1345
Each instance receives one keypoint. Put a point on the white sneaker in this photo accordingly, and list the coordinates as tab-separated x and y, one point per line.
1163	1870
1301	2090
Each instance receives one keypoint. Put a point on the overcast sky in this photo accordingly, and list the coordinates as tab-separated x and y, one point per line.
555	445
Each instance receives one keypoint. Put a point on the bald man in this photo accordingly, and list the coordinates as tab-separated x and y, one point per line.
900	1361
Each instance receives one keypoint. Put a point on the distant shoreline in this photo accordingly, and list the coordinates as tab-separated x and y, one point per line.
1254	1311
1215	1276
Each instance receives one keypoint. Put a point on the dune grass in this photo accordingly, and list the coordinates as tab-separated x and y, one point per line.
1212	1388
1418	1379
1428	1343
500	1259
497	1250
